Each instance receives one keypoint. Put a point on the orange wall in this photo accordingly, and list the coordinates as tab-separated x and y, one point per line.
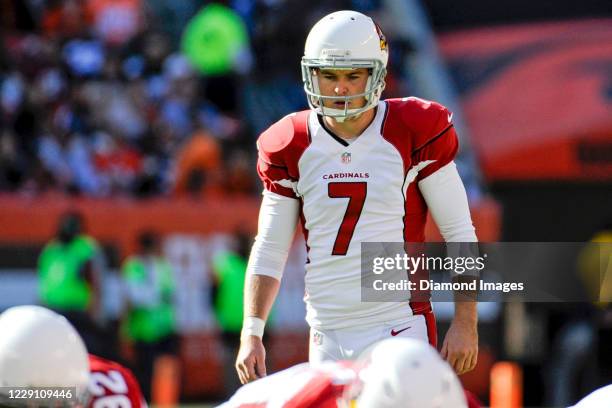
118	220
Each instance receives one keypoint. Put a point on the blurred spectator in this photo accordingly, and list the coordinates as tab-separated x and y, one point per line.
65	19
103	97
216	41
150	316
229	267
117	163
70	272
12	94
217	44
198	165
237	177
11	167
181	95
67	154
84	58
116	21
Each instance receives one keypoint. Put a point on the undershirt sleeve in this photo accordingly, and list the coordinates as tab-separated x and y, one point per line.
278	217
446	198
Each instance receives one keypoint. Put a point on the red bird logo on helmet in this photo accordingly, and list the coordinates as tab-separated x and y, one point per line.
381	36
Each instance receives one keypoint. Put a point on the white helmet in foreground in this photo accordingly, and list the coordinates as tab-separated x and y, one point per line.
39	348
406	373
345	40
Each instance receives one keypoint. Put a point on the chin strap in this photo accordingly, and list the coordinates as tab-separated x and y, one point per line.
342	119
351	113
340	115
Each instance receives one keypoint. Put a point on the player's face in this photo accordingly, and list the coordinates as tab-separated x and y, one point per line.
343	82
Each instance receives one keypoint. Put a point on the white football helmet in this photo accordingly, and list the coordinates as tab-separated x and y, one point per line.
40	348
405	373
345	40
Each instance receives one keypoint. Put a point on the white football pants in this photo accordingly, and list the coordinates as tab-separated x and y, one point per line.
349	344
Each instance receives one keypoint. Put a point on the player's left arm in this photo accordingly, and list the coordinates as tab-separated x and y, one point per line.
447	200
444	193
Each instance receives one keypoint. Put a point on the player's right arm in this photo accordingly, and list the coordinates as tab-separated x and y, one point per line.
279	149
260	292
277	221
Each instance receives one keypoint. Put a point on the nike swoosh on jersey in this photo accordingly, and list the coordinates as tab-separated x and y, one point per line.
395	333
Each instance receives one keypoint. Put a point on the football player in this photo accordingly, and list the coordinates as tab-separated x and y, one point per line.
395	373
40	348
354	169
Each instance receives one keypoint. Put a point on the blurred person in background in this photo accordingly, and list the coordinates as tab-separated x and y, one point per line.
39	348
216	42
149	319
70	275
67	155
116	21
237	174
63	19
229	268
198	165
114	101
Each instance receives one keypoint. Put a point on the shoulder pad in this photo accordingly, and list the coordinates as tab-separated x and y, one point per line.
290	134
423	119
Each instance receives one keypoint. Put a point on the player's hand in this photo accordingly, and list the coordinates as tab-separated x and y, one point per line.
251	360
460	347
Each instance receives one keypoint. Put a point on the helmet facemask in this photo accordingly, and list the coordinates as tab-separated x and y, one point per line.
373	90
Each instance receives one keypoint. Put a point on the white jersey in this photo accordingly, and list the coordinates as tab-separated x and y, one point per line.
365	191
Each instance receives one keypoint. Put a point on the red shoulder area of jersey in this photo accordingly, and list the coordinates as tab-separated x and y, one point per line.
284	142
423	119
109	378
411	124
101	364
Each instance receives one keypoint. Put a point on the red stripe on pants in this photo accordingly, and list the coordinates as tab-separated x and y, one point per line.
432	332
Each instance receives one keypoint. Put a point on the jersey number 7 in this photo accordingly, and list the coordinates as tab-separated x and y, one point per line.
356	193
